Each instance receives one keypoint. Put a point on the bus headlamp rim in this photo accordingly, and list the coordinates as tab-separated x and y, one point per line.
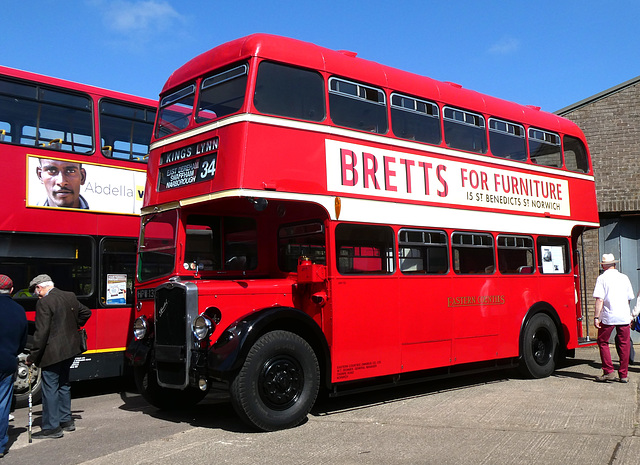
201	327
140	327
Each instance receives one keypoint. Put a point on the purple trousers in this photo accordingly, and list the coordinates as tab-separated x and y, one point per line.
623	347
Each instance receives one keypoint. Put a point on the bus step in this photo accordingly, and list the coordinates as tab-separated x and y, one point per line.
586	341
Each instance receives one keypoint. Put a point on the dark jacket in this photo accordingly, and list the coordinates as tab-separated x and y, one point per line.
13	334
58	317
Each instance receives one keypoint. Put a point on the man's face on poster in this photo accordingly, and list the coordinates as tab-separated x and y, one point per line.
62	180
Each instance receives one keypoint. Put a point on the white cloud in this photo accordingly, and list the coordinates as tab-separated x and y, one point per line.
131	17
137	19
505	46
134	25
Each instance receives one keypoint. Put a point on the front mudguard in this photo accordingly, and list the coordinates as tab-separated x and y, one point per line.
227	354
137	353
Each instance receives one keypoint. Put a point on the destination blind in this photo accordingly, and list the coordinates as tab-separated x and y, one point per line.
188	172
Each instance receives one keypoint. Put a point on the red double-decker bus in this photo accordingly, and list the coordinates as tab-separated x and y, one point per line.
75	161
315	219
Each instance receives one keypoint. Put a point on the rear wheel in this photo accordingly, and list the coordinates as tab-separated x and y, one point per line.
161	397
539	347
278	383
21	384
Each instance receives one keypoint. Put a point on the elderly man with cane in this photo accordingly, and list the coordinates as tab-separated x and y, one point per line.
13	339
55	344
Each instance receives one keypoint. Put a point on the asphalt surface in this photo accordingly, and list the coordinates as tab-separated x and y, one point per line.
497	418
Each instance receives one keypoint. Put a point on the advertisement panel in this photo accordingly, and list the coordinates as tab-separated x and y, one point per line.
373	172
60	183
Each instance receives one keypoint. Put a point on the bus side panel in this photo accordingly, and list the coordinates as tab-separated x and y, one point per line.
560	293
478	310
115	328
365	327
426	324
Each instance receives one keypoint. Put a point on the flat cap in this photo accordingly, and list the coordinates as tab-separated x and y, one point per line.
41	278
5	282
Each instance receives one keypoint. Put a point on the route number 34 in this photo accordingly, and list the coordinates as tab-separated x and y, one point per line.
208	169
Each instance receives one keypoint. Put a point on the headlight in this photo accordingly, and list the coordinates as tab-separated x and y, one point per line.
201	327
140	328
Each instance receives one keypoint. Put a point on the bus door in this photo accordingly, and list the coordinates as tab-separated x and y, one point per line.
364	303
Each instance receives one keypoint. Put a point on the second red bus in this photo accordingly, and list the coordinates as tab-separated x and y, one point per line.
75	159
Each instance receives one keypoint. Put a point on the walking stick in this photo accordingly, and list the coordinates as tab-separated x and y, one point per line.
30	407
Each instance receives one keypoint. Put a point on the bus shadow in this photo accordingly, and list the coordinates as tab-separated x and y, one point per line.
216	411
569	369
380	395
213	412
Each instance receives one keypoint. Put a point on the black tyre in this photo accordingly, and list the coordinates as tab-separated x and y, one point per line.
539	347
161	397
278	383
21	384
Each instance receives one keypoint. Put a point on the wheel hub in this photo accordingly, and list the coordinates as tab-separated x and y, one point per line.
541	347
282	382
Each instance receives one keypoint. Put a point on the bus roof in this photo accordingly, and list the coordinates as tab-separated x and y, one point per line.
43	79
347	64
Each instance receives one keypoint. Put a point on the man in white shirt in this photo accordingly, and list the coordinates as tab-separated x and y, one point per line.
613	292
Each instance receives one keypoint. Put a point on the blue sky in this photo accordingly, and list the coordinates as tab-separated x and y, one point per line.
546	53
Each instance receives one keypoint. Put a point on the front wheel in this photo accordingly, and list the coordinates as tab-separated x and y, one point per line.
278	382
539	347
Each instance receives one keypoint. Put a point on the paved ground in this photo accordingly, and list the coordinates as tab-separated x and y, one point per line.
481	419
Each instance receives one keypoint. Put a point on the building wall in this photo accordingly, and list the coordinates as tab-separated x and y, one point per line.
612	127
611	123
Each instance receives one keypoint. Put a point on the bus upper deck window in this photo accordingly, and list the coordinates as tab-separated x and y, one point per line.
415	119
575	155
125	130
465	130
290	92
357	106
175	111
37	115
507	140
544	148
222	94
